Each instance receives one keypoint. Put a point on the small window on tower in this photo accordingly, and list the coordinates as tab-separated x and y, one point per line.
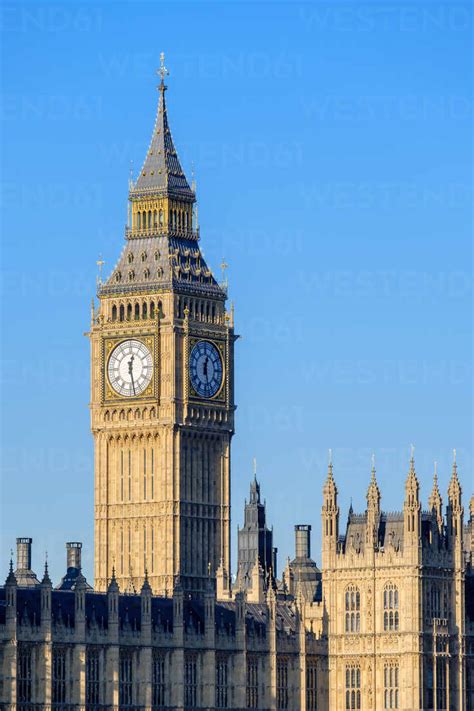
157	255
146	273
130	258
143	256
131	275
118	276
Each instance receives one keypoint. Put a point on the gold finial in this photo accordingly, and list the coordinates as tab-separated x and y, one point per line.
162	71
373	466
412	450
100	263
255	467
224	267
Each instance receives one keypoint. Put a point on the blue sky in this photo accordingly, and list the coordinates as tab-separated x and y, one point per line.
332	148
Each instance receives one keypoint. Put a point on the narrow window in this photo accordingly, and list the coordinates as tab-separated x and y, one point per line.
125	678
24	673
282	683
352	687
222	682
311	686
158	680
59	675
92	677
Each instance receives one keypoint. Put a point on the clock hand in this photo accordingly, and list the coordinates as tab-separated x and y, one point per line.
130	370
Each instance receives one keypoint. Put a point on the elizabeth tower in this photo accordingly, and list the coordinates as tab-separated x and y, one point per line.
162	405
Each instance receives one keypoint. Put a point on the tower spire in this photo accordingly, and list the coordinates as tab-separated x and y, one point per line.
161	173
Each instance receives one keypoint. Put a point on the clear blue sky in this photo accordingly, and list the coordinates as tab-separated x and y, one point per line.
334	163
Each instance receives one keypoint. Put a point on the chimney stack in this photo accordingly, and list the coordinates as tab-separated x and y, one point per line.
23	553
302	541
73	549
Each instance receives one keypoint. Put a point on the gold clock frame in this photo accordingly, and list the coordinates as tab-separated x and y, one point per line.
220	394
109	345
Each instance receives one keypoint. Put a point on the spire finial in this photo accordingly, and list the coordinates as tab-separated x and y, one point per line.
435	475
255	468
373	467
224	266
100	263
330	464
412	453
454	456
162	72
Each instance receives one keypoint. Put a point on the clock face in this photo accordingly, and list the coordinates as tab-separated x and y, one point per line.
205	369
130	368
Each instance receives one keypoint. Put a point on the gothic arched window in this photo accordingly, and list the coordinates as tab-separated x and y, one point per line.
352	608
122	313
137	311
114	313
390	608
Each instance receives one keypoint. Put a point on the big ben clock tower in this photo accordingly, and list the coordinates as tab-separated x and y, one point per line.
162	406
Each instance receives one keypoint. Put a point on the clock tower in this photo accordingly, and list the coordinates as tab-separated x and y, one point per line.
162	401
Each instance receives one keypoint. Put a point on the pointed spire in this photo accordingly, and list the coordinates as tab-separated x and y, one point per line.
412	484
435	502
330	488
146	587
11	579
113	585
435	496
46	579
373	492
454	489
162	171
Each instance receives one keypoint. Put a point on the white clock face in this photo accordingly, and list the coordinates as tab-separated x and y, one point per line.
205	369
130	368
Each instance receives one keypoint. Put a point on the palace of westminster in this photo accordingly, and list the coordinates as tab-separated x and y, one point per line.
386	623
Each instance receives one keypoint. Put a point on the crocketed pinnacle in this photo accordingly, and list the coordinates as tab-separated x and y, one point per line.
162	172
11	579
435	501
46	579
454	489
146	587
113	585
373	492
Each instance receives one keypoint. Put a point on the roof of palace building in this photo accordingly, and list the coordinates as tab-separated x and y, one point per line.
390	529
96	612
